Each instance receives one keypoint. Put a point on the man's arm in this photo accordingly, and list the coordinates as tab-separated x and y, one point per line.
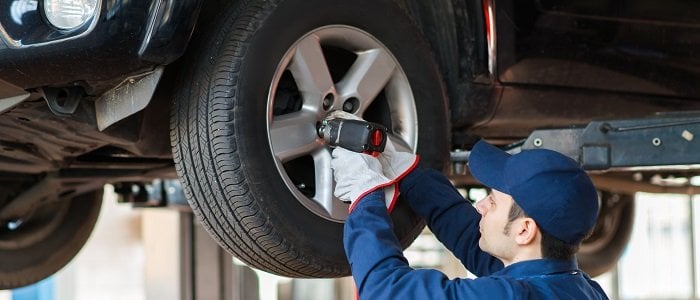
381	271
453	220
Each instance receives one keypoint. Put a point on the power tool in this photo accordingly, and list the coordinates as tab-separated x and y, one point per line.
354	135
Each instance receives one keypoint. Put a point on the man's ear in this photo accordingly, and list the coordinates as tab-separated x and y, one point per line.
526	231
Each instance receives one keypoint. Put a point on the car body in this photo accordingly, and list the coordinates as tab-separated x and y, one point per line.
243	82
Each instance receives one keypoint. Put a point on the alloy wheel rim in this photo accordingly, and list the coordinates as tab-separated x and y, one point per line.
334	67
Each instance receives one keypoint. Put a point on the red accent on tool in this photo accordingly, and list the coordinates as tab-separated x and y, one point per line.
377	138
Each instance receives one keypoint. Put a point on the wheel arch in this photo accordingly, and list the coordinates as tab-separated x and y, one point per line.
456	32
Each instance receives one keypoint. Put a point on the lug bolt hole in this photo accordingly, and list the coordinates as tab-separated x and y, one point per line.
328	102
351	105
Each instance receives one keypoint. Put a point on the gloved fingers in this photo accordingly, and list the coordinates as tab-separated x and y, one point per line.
344	161
343	194
342	153
343	115
340	162
349	161
356	174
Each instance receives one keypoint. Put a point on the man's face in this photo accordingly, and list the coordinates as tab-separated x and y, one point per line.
494	211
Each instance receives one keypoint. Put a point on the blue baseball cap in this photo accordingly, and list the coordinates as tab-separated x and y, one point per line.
550	187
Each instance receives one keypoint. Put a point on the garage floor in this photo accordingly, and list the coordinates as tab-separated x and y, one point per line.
162	254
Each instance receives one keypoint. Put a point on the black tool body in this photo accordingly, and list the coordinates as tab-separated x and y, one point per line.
354	135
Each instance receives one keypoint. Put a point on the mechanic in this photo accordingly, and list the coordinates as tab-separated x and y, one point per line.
520	240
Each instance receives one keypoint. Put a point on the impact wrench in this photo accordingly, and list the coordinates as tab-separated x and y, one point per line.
354	135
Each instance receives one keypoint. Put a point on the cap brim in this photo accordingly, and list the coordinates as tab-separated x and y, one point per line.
487	164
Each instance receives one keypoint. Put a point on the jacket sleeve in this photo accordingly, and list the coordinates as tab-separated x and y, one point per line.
381	271
453	220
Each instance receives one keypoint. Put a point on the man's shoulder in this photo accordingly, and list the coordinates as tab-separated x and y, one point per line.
570	285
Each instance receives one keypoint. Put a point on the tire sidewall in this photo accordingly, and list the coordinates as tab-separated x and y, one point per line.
601	261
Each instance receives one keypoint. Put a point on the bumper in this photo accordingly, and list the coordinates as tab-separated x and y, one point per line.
127	37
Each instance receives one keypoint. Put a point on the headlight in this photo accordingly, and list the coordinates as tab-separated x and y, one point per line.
69	14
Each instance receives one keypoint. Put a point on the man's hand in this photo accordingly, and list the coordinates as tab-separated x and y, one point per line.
396	164
357	175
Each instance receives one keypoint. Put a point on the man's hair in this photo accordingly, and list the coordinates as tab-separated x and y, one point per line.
552	247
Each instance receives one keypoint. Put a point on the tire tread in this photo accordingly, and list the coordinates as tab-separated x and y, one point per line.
206	142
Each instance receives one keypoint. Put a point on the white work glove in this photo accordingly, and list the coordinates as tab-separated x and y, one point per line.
396	164
357	175
342	115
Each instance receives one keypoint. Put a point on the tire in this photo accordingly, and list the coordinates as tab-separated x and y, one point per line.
264	190
600	252
47	240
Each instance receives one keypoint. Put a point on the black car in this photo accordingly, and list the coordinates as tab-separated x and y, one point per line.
227	97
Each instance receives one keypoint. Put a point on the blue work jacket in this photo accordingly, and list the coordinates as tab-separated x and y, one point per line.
381	271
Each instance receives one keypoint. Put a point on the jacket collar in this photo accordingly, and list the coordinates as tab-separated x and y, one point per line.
537	267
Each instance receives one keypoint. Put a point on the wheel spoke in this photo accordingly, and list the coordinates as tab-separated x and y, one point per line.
324	179
324	185
310	71
293	135
367	77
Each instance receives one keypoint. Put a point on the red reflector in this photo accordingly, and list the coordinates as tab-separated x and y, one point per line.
487	20
377	138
